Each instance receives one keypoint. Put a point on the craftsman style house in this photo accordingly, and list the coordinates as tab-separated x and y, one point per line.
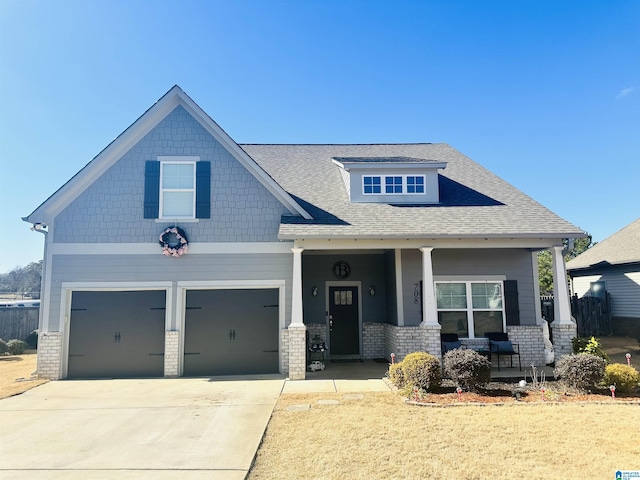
176	251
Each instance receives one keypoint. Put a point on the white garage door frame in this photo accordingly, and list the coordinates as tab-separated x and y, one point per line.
181	302
67	289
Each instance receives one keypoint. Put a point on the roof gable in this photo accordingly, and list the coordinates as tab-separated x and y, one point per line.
175	97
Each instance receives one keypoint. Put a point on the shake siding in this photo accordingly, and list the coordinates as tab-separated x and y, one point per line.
158	268
513	263
111	209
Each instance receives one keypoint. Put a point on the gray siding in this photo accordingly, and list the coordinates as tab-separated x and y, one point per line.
369	269
157	268
111	209
514	264
623	285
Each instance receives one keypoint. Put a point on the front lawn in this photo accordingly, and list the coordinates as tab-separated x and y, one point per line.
378	436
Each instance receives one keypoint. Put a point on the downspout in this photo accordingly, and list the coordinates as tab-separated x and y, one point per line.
40	228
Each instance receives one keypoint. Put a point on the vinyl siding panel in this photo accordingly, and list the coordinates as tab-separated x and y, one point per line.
622	284
515	264
158	268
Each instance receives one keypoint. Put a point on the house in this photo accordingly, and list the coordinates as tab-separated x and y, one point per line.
176	251
613	265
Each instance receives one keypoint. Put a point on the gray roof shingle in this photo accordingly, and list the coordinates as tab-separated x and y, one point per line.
621	247
474	201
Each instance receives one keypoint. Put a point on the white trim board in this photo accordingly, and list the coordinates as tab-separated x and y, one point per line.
155	249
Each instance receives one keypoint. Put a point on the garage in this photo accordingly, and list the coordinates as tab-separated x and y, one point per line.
231	332
117	334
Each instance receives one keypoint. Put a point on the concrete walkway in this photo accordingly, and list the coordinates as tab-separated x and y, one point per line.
187	428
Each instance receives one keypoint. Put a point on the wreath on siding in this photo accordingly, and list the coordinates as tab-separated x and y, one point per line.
174	242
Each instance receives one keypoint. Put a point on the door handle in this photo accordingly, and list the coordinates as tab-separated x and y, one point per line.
116	337
232	334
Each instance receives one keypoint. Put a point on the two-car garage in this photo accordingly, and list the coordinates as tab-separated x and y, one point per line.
120	334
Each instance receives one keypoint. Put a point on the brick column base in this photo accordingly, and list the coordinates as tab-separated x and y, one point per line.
431	340
297	352
171	353
563	333
50	355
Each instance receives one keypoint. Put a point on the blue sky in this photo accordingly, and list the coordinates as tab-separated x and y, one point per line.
546	94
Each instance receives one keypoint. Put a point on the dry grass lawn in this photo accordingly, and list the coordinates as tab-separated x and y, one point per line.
15	374
380	437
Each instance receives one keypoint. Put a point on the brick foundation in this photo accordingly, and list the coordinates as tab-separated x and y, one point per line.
284	351
50	355
373	340
297	352
563	334
402	341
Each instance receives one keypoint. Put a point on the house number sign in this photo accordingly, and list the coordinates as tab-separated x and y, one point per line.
341	270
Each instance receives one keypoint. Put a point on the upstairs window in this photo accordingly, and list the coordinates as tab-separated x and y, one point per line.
371	185
178	193
392	185
415	184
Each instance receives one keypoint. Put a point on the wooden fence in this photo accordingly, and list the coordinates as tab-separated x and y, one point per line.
592	314
18	322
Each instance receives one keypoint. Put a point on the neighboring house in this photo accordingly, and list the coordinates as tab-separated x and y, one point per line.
373	249
613	265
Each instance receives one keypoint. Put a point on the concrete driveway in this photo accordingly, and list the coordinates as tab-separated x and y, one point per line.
186	428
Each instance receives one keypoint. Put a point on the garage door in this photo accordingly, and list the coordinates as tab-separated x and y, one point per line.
117	334
231	332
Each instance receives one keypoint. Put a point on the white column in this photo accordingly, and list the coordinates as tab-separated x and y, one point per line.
296	288
399	291
561	305
429	310
536	287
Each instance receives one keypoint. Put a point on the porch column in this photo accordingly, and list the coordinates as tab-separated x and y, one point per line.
297	330
430	325
564	329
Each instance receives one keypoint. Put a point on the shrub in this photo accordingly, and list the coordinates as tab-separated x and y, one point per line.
581	371
3	347
467	368
591	346
421	370
16	347
396	375
32	339
624	377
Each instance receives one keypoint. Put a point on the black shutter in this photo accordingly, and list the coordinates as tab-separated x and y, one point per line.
511	306
203	189
152	189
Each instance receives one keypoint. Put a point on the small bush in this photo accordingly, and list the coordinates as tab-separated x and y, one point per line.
421	370
16	347
3	347
582	371
467	368
32	339
624	377
396	375
591	346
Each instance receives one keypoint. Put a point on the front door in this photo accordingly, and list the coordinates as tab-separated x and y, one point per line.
343	321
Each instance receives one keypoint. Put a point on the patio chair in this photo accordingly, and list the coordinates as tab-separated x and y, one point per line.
449	341
500	345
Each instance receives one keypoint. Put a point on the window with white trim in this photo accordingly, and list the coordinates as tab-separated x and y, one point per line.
415	183
470	308
371	185
393	184
177	189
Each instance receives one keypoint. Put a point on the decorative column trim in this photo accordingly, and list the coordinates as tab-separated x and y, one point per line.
296	288
429	310
561	305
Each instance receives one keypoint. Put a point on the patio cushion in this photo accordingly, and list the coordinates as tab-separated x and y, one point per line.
502	347
446	346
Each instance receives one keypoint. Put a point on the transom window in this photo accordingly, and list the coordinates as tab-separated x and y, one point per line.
470	309
177	189
393	184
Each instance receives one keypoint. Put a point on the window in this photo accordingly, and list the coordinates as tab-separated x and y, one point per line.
371	185
177	197
415	184
470	309
392	185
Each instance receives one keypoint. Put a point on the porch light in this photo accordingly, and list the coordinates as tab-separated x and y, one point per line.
372	290
314	291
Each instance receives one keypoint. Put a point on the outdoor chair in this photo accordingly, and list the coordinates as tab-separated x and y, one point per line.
500	345
449	341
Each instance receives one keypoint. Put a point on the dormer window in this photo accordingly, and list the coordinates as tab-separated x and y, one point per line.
392	185
415	184
371	185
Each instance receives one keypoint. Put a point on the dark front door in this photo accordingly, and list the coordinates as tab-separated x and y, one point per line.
343	321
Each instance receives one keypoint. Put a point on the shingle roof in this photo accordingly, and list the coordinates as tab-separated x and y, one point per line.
474	201
621	247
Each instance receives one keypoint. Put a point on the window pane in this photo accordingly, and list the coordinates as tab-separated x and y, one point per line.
415	184
484	322
393	184
487	295
451	295
177	204
454	322
371	184
177	175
